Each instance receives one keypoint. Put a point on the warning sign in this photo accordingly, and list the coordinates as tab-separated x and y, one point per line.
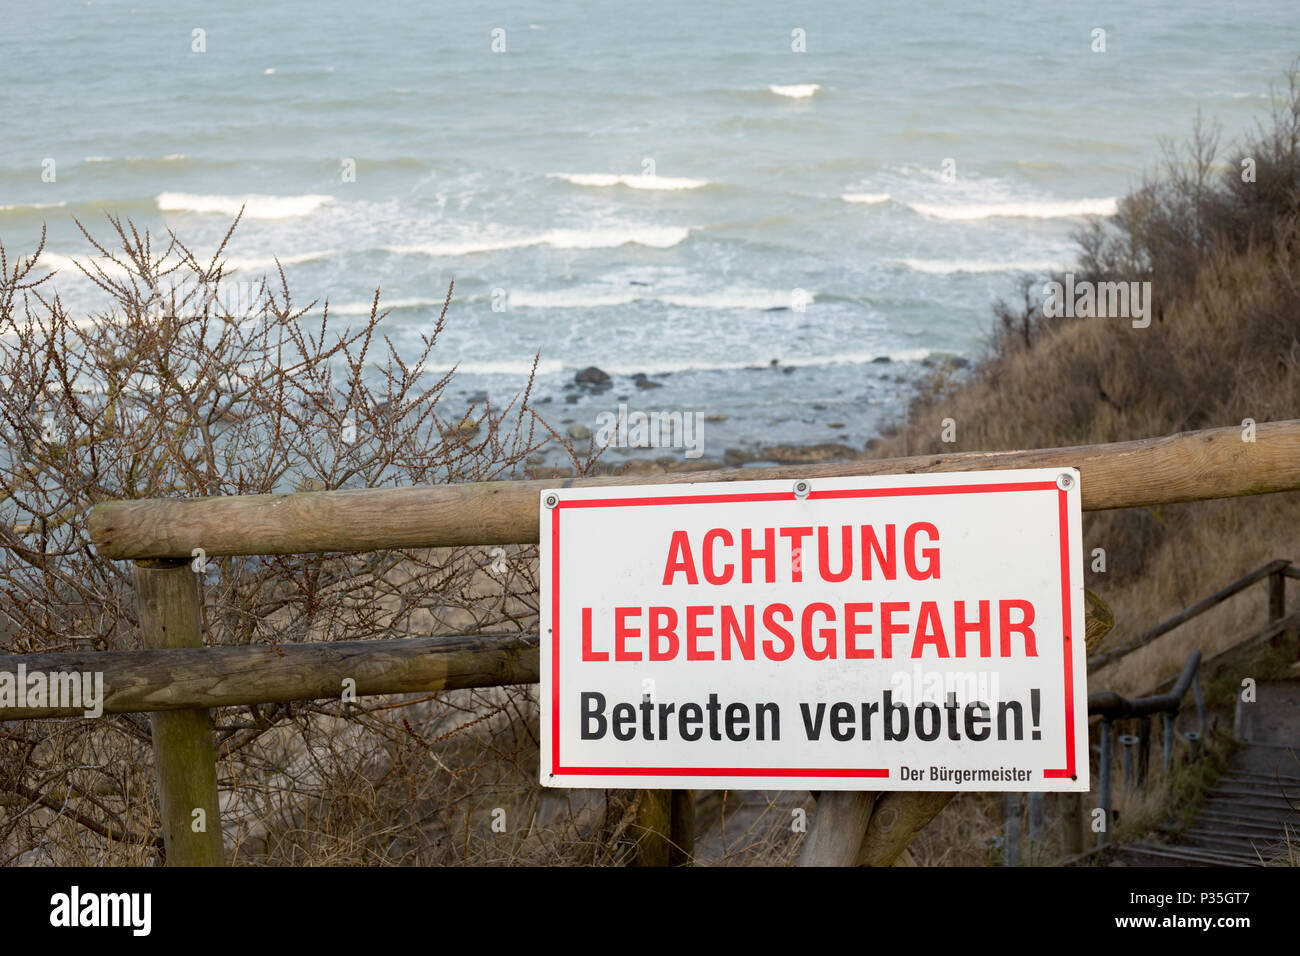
908	632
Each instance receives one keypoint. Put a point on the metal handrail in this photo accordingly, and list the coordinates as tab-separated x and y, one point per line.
1112	706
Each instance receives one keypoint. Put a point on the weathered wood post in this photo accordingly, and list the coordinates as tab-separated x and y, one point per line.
838	826
681	852
654	826
167	593
895	818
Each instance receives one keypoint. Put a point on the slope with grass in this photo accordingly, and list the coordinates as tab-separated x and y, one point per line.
1222	255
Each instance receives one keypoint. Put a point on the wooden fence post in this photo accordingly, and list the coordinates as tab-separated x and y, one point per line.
681	852
895	819
167	593
654	821
838	825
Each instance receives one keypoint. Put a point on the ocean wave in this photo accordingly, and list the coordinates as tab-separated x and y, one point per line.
23	207
658	237
738	299
255	207
868	198
574	299
950	266
390	305
462	248
757	299
796	91
68	265
522	368
268	262
1018	209
169	158
634	182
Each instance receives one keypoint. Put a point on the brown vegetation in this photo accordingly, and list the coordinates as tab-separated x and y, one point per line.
1223	256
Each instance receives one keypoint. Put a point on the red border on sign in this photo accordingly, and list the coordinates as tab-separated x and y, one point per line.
1064	528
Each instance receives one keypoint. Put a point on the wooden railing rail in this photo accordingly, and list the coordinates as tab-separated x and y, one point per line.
1276	571
1192	466
156	681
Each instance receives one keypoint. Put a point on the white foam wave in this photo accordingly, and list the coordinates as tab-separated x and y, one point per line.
796	91
515	369
363	308
658	237
255	207
67	265
571	299
868	198
950	266
268	262
169	158
1040	209
461	248
738	299
16	207
633	182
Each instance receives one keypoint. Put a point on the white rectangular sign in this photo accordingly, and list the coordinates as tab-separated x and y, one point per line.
904	632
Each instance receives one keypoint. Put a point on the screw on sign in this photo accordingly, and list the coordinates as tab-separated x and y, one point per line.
783	623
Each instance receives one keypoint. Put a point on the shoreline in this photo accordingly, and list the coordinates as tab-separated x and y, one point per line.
642	431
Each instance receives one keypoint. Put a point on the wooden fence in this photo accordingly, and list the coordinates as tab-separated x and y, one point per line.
178	680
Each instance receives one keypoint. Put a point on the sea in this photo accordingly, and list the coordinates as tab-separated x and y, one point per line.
779	213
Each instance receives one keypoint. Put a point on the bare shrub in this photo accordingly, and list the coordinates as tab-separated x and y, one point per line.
178	389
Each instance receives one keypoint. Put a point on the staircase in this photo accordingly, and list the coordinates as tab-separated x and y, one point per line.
1251	816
